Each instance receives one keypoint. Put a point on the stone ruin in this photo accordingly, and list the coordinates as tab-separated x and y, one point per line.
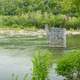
56	37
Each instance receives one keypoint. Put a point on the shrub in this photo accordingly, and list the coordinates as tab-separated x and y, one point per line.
73	23
69	66
39	20
42	61
59	21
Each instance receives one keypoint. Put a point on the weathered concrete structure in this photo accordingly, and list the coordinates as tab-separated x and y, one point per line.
57	37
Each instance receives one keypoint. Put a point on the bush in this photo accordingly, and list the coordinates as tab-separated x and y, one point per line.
42	61
59	21
69	66
39	20
73	23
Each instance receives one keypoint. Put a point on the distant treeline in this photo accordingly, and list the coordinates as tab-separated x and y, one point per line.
18	7
37	13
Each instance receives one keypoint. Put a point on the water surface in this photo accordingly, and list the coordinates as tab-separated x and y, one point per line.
16	55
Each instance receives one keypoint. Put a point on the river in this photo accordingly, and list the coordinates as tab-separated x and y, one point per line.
16	55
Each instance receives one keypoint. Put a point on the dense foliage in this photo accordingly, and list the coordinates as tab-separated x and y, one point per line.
31	21
69	66
13	7
36	13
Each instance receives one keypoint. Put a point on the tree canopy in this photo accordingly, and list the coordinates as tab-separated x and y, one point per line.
18	7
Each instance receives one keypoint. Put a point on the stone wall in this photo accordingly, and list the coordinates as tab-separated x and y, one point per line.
57	37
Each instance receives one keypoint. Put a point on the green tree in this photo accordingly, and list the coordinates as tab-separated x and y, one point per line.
70	7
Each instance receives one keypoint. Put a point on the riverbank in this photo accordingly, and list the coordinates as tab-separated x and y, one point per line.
25	32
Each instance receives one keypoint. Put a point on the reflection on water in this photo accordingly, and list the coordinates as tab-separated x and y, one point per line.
16	56
53	75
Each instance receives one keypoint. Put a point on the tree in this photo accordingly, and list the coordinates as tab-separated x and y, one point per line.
70	7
